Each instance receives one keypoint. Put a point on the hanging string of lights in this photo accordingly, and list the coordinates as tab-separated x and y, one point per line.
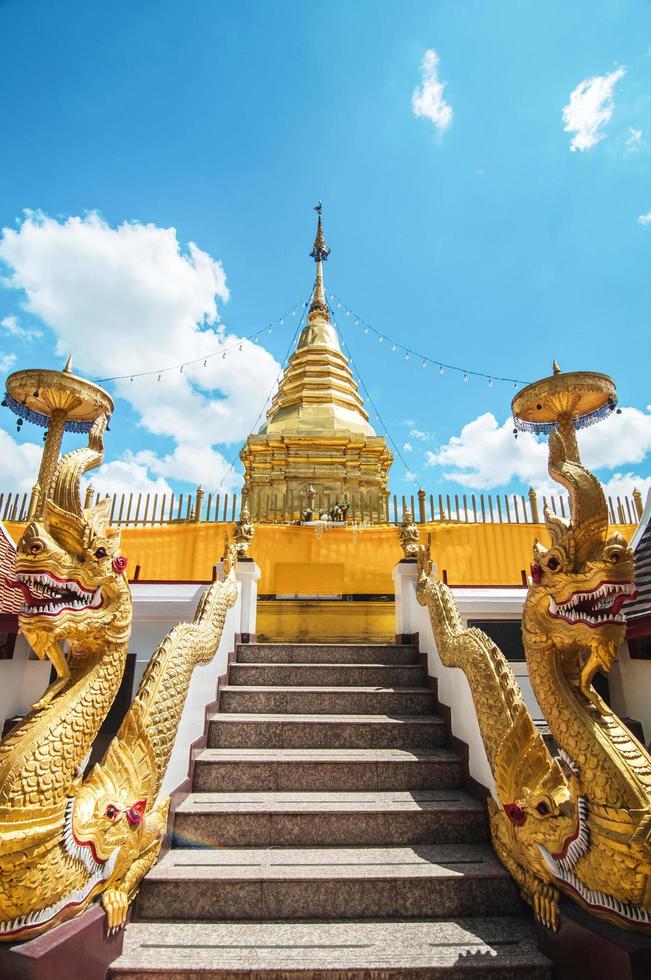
409	352
222	352
369	398
336	303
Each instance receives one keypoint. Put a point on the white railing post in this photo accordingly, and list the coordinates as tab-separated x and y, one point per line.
405	578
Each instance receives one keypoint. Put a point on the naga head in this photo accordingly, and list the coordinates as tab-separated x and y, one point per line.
580	583
112	808
68	564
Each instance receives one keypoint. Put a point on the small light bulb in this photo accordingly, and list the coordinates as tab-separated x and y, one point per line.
240	347
441	370
293	312
356	323
347	312
465	377
269	329
224	356
393	347
181	370
490	382
407	355
281	322
204	363
424	364
365	329
380	338
158	377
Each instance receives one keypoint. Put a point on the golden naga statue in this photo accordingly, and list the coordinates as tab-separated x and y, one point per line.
581	823
67	838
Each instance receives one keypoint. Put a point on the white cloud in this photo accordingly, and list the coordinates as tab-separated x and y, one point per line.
634	139
645	219
408	447
126	476
617	441
7	361
195	464
418	434
127	300
618	485
11	325
590	109
20	463
485	454
427	99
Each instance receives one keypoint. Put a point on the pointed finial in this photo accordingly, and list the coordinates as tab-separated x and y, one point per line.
320	250
68	368
556	368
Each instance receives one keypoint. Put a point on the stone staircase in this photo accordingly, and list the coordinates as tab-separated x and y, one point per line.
327	834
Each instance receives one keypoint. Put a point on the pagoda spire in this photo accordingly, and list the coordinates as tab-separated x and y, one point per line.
319	253
319	329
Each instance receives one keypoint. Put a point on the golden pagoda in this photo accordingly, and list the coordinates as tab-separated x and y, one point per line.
317	434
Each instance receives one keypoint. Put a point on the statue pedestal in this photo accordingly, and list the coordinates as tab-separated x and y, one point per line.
405	577
587	948
75	950
247	574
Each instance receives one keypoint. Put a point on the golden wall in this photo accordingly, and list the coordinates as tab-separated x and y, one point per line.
296	560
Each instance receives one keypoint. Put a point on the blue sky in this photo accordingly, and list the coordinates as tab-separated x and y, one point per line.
474	234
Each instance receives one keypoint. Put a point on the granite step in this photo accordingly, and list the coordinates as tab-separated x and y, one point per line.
322	819
326	653
275	731
273	770
490	948
326	700
328	675
349	883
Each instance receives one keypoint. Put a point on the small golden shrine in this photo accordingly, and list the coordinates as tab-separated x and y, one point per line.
317	434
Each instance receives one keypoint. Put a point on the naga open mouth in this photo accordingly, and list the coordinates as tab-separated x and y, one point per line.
596	608
47	595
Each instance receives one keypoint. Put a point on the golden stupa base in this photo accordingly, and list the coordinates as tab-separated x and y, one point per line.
280	468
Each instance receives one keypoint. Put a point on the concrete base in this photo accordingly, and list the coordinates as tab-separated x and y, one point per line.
405	578
586	948
75	950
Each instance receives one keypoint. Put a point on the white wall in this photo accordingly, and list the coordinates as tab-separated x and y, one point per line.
630	689
22	681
